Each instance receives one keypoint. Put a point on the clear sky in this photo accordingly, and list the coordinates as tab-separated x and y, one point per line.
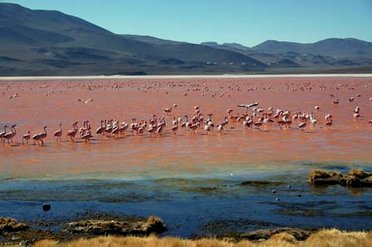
248	22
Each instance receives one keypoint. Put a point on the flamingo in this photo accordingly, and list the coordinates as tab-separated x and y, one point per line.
175	128
209	121
58	133
207	128
100	130
134	125
151	129
302	125
259	123
194	126
72	132
9	136
26	137
109	126
115	129
124	126
39	137
328	117
220	127
87	134
329	122
313	120
141	128
14	96
3	133
160	129
83	128
168	110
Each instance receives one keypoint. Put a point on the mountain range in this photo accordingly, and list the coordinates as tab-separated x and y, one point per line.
41	42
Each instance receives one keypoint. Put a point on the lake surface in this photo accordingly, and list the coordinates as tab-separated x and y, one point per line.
191	180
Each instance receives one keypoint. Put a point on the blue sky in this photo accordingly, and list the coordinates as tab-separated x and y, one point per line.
248	22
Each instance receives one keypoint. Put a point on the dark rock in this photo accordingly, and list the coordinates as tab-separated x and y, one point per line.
46	207
11	225
117	227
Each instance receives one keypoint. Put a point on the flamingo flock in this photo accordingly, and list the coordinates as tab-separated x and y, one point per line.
253	118
171	121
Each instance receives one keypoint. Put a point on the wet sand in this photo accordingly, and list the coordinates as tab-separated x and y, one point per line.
160	175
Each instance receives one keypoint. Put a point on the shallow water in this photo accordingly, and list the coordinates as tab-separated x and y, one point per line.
197	205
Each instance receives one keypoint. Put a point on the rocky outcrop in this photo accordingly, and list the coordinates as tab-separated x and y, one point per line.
116	227
298	234
354	178
11	225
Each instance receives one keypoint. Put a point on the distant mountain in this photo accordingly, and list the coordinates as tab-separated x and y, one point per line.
340	48
50	42
40	42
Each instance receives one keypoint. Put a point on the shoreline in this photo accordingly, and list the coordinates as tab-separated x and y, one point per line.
88	228
30	78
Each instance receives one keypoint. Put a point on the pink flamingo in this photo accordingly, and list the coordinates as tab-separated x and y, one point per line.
116	129
175	126
87	134
39	137
100	130
302	125
72	132
9	136
168	110
58	133
26	137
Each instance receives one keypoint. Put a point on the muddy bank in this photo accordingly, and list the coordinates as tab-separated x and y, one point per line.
14	232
